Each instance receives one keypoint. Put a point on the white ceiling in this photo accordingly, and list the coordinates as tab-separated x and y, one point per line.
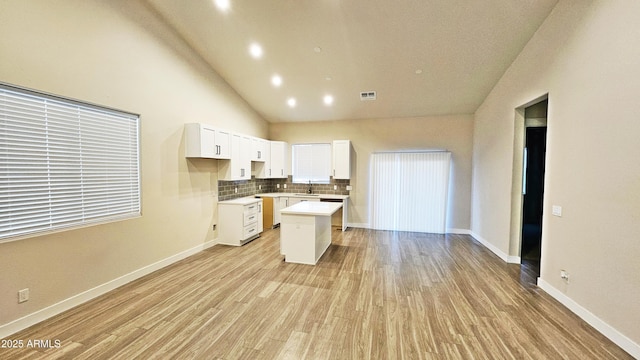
462	47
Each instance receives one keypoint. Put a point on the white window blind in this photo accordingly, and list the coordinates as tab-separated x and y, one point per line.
64	164
409	191
311	162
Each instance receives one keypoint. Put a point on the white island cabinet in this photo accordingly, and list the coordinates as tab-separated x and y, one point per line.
305	231
240	220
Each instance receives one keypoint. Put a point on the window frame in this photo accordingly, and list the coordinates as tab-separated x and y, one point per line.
309	177
74	165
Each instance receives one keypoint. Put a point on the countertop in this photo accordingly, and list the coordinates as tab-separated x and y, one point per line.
311	196
314	208
242	201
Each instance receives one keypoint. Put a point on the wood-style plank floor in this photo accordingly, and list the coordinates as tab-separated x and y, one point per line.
373	295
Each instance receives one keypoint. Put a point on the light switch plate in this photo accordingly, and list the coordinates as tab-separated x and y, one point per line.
349	187
556	210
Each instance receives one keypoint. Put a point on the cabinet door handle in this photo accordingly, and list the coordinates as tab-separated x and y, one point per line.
269	172
281	171
259	155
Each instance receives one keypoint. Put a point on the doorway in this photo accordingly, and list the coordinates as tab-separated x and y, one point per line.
533	185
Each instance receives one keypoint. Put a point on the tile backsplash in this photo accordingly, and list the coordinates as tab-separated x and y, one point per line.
227	189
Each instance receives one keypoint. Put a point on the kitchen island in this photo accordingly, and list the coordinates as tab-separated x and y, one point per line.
305	231
276	201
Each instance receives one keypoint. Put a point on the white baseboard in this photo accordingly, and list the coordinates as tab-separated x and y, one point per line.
605	329
64	305
514	259
448	231
491	247
458	231
359	225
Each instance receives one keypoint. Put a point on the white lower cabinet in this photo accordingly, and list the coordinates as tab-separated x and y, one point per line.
240	221
284	202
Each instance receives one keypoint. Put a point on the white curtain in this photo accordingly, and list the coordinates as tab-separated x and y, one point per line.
409	191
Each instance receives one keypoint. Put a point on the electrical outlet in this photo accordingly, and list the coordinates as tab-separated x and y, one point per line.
259	187
236	190
335	187
556	210
278	186
285	186
349	187
564	275
23	295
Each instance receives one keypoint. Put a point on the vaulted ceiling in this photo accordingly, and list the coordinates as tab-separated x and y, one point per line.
421	57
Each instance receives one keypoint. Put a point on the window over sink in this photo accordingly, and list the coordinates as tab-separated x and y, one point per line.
311	163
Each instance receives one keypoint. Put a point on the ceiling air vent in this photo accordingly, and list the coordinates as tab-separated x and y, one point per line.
367	95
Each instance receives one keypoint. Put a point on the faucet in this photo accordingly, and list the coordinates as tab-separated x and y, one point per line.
309	190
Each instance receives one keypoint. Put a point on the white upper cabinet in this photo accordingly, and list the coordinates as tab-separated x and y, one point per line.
203	141
238	167
263	168
258	149
341	159
279	152
238	151
223	143
275	163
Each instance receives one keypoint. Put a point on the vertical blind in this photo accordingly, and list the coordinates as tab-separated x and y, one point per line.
409	191
64	163
311	162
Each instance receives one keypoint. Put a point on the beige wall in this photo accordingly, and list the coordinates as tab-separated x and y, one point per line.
586	56
117	54
453	133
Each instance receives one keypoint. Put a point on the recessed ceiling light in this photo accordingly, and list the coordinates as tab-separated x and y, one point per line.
223	4
317	49
291	102
255	50
276	80
419	71
328	100
328	78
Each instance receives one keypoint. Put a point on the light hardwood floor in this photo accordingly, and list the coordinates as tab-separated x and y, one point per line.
373	295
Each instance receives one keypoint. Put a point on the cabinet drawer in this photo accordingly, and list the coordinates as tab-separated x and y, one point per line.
251	209
250	230
250	218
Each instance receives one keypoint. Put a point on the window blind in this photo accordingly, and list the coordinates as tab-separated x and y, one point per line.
64	163
311	162
409	191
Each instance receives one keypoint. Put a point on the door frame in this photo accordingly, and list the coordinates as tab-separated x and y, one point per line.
517	198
